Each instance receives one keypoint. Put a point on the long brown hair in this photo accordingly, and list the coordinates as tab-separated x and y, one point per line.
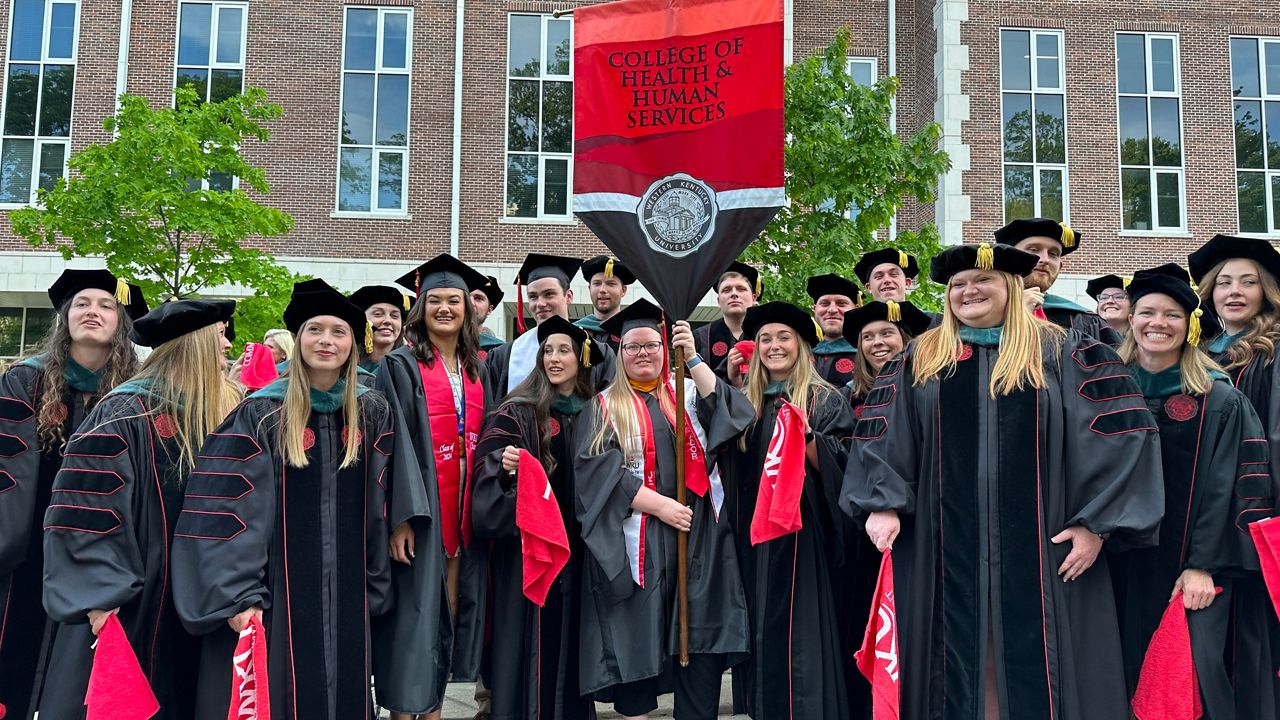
415	331
539	394
864	376
1262	333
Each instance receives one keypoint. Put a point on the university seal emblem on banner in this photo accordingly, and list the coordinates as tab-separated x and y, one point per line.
678	214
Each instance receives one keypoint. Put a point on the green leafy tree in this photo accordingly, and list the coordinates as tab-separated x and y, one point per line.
841	155
137	201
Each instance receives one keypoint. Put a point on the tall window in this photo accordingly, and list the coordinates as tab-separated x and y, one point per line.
1032	84
22	329
1149	89
539	116
211	40
1255	83
39	85
373	142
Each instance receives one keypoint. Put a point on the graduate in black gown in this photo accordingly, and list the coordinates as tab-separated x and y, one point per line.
283	521
833	296
116	501
996	453
800	665
607	279
1110	292
1239	281
385	308
484	300
737	289
1216	482
531	661
629	519
43	398
439	577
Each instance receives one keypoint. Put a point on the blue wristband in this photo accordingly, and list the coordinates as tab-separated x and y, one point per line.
694	361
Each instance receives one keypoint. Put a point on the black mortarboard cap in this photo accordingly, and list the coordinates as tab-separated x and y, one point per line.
72	281
176	318
370	295
1023	228
780	312
442	271
640	313
1005	258
911	319
537	266
831	284
314	298
751	274
1227	247
886	256
1175	281
1095	286
555	324
491	290
610	266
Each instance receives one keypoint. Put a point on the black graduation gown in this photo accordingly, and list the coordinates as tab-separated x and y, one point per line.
308	545
834	361
801	660
26	485
713	342
106	545
498	362
488	341
591	324
1069	316
531	661
996	479
630	633
1215	484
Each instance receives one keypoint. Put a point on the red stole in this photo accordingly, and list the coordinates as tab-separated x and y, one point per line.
446	430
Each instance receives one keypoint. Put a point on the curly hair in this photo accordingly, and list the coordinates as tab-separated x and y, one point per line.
1262	332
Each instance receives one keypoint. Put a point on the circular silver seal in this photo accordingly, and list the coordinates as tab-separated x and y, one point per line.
677	214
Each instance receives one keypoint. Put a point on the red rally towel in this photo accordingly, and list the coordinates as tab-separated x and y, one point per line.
258	369
544	543
747	348
250	691
118	689
1266	537
878	658
1167	687
782	480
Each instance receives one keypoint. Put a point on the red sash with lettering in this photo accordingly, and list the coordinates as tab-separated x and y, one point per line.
455	500
696	478
781	479
250	691
878	658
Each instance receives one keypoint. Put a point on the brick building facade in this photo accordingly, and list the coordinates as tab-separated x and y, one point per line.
1152	126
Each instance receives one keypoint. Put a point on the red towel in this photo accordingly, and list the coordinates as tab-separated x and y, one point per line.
1266	537
250	691
1167	687
118	689
878	657
782	480
747	348
1039	312
259	368
544	543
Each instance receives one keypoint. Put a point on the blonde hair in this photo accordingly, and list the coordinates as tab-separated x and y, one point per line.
283	338
1194	365
1262	332
296	410
186	375
801	386
1020	361
620	413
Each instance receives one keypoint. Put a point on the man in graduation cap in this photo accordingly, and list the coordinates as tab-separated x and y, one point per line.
484	300
1050	241
737	289
1112	295
887	274
608	279
385	308
833	296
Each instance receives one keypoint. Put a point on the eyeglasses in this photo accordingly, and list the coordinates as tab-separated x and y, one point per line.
1103	297
633	349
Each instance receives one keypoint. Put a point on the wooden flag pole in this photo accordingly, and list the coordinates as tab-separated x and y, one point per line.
682	538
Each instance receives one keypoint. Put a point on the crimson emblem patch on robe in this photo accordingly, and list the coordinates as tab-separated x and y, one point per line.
482	354
844	365
857	412
166	426
555	427
1181	407
966	352
720	348
308	438
359	437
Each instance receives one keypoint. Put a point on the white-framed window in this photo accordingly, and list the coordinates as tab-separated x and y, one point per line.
39	86
373	136
1033	124
210	59
1149	98
1255	85
539	173
862	70
22	329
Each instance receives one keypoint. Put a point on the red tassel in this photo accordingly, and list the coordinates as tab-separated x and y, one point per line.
519	306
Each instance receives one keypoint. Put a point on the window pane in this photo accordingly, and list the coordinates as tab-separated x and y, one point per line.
195	78
230	27
1251	194
355	179
1275	200
1169	200
362	39
193	34
395	39
10	331
1162	65
1051	134
224	84
1135	199
523	45
62	31
522	186
1166	139
55	101
522	116
1244	67
1015	65
862	73
390	180
1047	59
1248	134
1017	127
1131	63
1133	131
555	187
1271	54
1019	193
393	109
558	47
1051	205
52	157
557	116
357	109
20	100
1273	135
15	171
28	26
39	320
221	182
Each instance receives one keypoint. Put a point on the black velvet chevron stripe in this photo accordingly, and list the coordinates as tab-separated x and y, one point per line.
1253	451
14	410
94	482
870	428
11	445
1123	421
98	445
82	519
891	368
208	525
1095	355
230	447
1253	486
384	443
223	486
6	481
880	396
1109	388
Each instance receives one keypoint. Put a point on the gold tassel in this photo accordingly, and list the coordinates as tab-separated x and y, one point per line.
818	327
902	260
368	336
122	292
759	288
1124	282
986	257
1195	288
405	301
608	268
1193	327
586	344
895	311
1068	236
